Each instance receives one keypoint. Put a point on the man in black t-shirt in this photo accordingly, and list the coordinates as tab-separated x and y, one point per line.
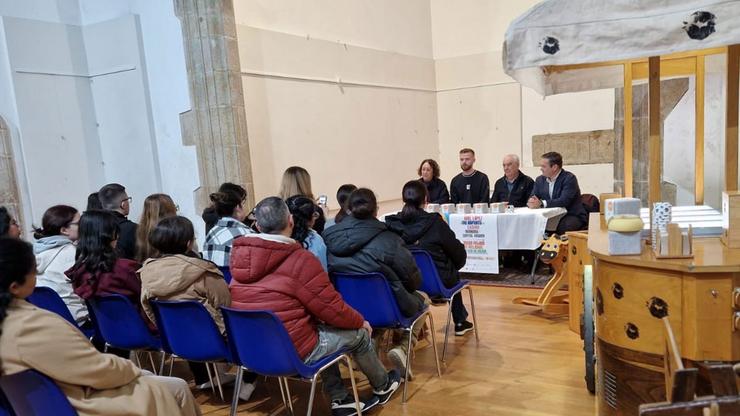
469	186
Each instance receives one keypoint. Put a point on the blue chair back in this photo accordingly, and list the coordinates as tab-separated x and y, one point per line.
178	321
431	283
370	294
259	342
5	408
120	324
47	298
226	271
33	394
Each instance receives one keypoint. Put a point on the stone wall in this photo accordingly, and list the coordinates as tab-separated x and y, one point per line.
9	196
577	148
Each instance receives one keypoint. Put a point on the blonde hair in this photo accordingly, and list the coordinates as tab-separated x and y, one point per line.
296	181
156	207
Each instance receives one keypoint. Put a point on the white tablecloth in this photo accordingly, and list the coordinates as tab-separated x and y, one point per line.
521	230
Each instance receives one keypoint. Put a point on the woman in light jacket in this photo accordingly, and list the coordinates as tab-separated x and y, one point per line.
55	253
94	383
179	274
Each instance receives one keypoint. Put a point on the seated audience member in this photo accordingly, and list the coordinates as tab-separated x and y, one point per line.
113	198
93	202
271	272
343	194
98	268
430	232
179	274
156	207
305	213
436	188
297	181
55	253
8	225
557	187
362	244
210	217
94	383
469	186
229	206
514	187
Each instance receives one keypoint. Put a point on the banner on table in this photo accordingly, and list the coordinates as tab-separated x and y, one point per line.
479	233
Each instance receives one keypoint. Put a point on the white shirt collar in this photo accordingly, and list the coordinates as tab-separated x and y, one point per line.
555	178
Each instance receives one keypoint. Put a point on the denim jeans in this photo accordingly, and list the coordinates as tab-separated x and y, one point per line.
360	346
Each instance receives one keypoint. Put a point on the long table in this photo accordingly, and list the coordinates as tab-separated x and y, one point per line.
485	234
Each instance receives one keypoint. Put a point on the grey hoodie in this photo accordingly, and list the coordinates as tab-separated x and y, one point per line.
54	256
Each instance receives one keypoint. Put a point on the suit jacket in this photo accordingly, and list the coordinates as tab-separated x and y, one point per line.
523	186
95	383
565	193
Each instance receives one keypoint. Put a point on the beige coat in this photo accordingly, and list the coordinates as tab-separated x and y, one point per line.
95	383
182	277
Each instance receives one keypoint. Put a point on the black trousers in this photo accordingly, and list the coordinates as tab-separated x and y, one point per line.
570	223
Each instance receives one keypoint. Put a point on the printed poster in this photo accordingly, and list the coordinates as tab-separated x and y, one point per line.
479	234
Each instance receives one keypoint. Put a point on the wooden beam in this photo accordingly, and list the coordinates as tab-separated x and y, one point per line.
699	133
679	55
627	130
731	120
655	156
679	67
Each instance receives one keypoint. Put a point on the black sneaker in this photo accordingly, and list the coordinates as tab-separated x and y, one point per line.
463	328
347	406
394	382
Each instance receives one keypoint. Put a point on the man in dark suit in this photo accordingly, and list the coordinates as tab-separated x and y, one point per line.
113	198
559	188
514	187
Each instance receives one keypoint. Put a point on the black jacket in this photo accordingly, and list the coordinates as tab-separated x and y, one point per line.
428	231
126	245
436	191
565	193
364	246
520	193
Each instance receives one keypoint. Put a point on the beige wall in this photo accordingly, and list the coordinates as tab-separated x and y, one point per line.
342	88
359	91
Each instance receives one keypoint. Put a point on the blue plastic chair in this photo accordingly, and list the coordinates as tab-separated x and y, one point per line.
33	394
226	271
260	343
5	408
370	294
47	298
177	321
432	284
119	324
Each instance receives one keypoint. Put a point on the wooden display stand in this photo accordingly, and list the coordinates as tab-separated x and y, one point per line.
631	296
554	252
731	219
578	256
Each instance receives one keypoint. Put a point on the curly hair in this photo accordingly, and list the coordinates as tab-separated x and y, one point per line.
433	164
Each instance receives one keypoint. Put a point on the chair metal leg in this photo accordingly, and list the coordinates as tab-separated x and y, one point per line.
313	393
136	358
151	361
534	264
210	378
475	319
447	329
408	363
172	363
218	382
358	406
288	396
282	395
161	363
434	343
237	387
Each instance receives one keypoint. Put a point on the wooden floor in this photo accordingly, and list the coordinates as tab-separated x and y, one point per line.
525	364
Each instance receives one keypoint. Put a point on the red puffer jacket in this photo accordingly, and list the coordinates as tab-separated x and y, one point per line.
275	273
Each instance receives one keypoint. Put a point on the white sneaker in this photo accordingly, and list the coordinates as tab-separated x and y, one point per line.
246	390
398	358
225	378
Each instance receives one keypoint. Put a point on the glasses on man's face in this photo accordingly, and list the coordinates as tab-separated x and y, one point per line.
129	200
